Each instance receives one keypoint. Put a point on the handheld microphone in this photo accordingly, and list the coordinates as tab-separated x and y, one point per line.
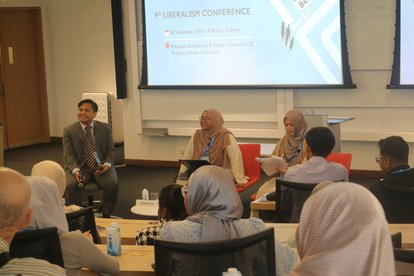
80	182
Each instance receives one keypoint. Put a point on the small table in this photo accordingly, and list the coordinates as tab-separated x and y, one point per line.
147	208
129	228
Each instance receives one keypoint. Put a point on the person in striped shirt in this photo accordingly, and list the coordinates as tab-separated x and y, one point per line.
15	214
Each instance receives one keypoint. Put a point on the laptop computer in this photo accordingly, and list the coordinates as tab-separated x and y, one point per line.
191	165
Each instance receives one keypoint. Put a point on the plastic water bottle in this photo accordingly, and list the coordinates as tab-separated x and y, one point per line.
145	194
116	225
232	272
113	241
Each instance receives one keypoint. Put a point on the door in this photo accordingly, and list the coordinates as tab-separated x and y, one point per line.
23	95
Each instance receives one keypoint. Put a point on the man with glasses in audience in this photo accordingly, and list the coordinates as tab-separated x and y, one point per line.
393	161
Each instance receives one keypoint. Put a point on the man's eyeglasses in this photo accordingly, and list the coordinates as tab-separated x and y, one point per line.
204	119
184	190
377	158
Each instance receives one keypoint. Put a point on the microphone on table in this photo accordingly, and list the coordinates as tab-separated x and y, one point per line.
80	182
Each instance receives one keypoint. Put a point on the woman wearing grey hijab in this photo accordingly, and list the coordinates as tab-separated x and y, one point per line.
215	209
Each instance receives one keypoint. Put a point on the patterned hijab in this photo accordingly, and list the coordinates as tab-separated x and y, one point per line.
46	204
52	170
213	201
343	231
204	139
290	143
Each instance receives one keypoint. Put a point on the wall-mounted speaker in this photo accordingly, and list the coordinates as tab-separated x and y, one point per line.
120	61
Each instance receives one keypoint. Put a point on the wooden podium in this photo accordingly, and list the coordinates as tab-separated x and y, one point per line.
333	123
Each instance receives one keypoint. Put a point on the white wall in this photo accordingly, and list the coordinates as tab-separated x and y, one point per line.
79	53
378	111
79	58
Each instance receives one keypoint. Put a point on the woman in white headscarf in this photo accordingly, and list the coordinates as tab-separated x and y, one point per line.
52	170
55	172
343	231
215	209
78	251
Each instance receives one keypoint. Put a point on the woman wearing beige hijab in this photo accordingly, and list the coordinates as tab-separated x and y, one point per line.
290	148
343	231
291	145
216	144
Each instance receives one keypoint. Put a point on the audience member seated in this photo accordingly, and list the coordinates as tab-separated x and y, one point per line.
343	231
215	208
393	161
320	142
217	145
171	207
15	214
55	172
77	249
290	147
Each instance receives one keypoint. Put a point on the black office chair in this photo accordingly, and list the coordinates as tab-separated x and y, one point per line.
404	255
251	255
290	197
40	244
396	240
404	258
84	220
401	204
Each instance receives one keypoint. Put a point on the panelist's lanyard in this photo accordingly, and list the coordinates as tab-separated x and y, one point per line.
210	145
401	171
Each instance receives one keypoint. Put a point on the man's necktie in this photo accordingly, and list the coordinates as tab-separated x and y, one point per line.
90	147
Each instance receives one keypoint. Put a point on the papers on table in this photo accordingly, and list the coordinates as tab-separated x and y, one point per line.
272	164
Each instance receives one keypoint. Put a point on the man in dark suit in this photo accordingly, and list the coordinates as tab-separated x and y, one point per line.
393	191
88	156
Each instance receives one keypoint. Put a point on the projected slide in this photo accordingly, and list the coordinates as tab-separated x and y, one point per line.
240	42
407	42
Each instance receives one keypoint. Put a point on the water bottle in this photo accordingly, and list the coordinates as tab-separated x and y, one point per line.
145	194
232	272
113	241
116	225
